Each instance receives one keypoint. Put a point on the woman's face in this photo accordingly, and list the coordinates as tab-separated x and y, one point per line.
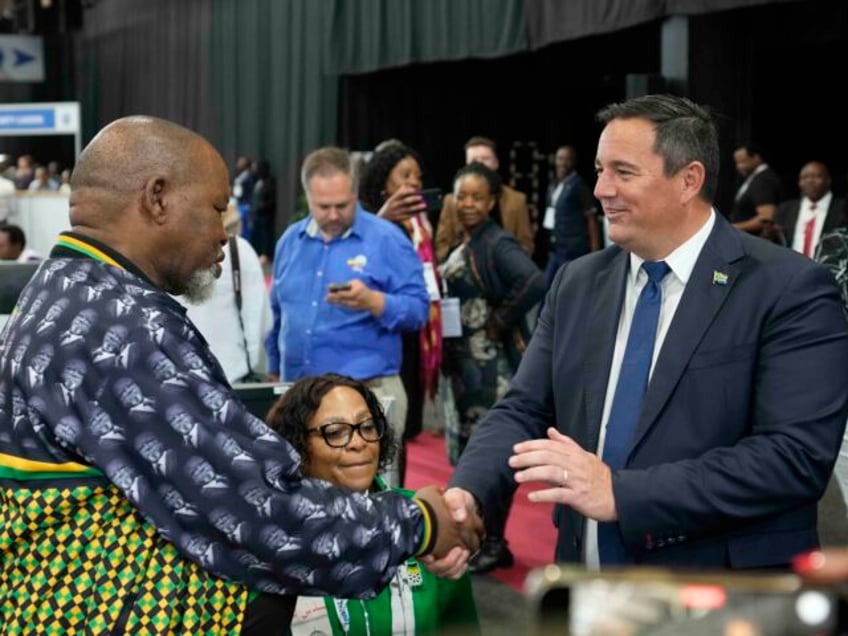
474	200
353	466
406	172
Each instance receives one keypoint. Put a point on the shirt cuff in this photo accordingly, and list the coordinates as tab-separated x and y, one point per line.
431	527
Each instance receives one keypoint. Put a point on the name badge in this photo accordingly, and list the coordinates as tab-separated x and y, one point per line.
451	323
430	282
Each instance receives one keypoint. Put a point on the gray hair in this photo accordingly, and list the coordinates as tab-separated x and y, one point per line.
326	162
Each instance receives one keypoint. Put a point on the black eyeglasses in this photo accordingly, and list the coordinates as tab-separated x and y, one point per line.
339	434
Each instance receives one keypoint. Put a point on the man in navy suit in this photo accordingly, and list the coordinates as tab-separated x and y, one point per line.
571	214
737	431
803	221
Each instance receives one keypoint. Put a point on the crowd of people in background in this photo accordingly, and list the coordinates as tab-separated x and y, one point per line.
254	193
27	174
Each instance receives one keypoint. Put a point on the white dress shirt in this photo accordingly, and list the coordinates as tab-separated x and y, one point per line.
805	213
682	262
218	321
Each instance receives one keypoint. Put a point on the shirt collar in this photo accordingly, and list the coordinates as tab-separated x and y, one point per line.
313	231
821	205
682	260
75	245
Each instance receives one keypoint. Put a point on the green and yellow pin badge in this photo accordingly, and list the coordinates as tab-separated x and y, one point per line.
719	278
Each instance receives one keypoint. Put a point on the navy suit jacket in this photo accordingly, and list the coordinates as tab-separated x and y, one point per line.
741	423
570	230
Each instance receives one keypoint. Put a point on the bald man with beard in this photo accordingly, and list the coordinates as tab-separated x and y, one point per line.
102	534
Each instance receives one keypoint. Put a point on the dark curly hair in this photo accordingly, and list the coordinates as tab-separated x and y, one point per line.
372	185
290	415
484	172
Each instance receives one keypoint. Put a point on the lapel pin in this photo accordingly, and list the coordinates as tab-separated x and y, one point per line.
719	278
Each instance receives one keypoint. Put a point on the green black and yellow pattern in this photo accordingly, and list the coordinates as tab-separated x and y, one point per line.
82	559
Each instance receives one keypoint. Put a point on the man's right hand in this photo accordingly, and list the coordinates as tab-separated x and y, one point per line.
462	509
454	529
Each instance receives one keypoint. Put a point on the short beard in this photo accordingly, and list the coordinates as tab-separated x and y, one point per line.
200	285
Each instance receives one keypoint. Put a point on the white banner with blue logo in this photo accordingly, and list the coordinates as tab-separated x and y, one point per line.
41	118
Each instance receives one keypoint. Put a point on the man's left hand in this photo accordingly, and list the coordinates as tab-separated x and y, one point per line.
577	478
358	297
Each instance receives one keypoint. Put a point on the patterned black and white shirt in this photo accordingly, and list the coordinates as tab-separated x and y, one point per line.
103	377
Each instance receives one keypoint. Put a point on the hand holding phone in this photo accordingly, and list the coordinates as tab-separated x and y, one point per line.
401	205
356	295
432	198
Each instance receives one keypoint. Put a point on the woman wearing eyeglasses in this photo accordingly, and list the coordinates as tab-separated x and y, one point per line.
338	427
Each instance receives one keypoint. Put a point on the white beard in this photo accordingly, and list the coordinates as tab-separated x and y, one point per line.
200	285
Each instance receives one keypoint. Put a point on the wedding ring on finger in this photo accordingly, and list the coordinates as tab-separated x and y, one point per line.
564	478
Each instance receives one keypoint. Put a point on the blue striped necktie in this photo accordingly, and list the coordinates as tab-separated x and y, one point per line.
629	393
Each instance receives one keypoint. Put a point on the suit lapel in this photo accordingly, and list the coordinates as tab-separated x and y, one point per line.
792	221
599	344
702	298
833	216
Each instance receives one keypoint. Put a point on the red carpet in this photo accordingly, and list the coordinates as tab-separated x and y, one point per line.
530	531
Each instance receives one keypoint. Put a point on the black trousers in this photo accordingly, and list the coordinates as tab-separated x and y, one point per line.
268	615
410	375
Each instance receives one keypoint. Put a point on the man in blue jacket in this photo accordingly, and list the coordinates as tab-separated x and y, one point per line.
685	391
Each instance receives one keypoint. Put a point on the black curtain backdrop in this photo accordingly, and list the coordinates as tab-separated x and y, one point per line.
261	77
528	103
276	79
146	57
550	21
367	35
769	74
766	71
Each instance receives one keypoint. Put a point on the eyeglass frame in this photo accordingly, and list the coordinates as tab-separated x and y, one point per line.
378	423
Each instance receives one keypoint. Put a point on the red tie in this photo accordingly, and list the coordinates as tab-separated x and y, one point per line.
808	232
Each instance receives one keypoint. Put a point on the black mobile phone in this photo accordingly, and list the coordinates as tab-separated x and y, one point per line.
337	287
432	198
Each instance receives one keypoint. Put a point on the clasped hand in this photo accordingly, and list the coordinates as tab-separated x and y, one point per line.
460	530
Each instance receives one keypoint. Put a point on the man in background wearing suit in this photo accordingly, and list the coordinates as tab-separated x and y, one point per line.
512	204
571	214
717	458
803	221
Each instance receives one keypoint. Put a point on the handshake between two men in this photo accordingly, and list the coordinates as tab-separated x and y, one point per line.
459	533
568	474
